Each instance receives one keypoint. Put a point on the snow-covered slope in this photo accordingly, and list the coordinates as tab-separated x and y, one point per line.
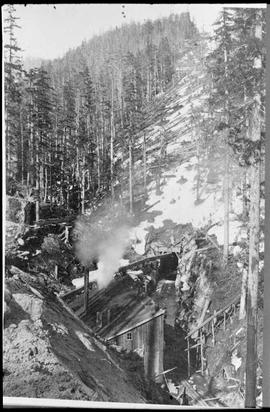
177	201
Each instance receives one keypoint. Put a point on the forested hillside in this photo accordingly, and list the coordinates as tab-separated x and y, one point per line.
73	122
161	127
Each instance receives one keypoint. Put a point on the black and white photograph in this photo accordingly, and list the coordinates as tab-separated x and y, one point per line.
133	174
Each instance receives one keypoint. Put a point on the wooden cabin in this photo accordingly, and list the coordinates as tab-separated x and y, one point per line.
121	316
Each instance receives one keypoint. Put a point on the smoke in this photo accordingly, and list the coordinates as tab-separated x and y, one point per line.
103	239
110	251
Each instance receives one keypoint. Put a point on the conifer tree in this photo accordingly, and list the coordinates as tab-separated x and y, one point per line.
13	84
220	98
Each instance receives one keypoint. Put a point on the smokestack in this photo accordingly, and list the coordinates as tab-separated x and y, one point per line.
86	288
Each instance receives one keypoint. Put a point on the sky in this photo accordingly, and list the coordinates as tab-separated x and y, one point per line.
48	31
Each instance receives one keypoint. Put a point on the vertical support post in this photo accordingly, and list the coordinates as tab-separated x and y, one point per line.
108	316
56	271
213	333
188	357
66	234
201	340
86	286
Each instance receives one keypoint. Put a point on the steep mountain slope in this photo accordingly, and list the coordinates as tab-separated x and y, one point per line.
50	353
177	200
186	200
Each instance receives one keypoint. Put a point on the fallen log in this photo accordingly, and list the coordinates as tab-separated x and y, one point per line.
167	371
149	207
53	221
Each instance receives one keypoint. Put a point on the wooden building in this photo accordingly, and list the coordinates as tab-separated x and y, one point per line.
120	314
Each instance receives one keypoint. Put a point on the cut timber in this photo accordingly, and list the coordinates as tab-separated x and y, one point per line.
193	346
149	207
212	241
49	222
206	304
167	371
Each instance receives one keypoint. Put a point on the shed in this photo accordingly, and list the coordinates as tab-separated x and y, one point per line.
120	314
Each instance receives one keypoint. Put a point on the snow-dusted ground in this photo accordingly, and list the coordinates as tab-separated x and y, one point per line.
178	199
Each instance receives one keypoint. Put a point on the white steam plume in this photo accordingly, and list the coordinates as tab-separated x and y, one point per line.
105	240
110	251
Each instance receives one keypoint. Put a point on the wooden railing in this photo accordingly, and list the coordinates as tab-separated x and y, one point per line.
211	323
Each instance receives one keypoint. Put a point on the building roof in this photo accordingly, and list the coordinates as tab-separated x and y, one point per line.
127	309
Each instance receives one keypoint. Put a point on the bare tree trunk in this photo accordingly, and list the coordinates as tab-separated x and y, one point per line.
41	180
22	149
32	154
130	178
98	163
77	164
254	239
253	270
62	165
226	184
148	98
83	187
50	160
198	181
68	196
226	190
244	195
8	156
102	151
144	167
37	187
46	184
242	310
112	140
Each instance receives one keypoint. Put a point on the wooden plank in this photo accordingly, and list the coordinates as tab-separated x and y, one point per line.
220	311
149	207
213	333
193	346
201	339
205	307
188	351
167	371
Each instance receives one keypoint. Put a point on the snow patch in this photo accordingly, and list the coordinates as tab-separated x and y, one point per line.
236	361
84	338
